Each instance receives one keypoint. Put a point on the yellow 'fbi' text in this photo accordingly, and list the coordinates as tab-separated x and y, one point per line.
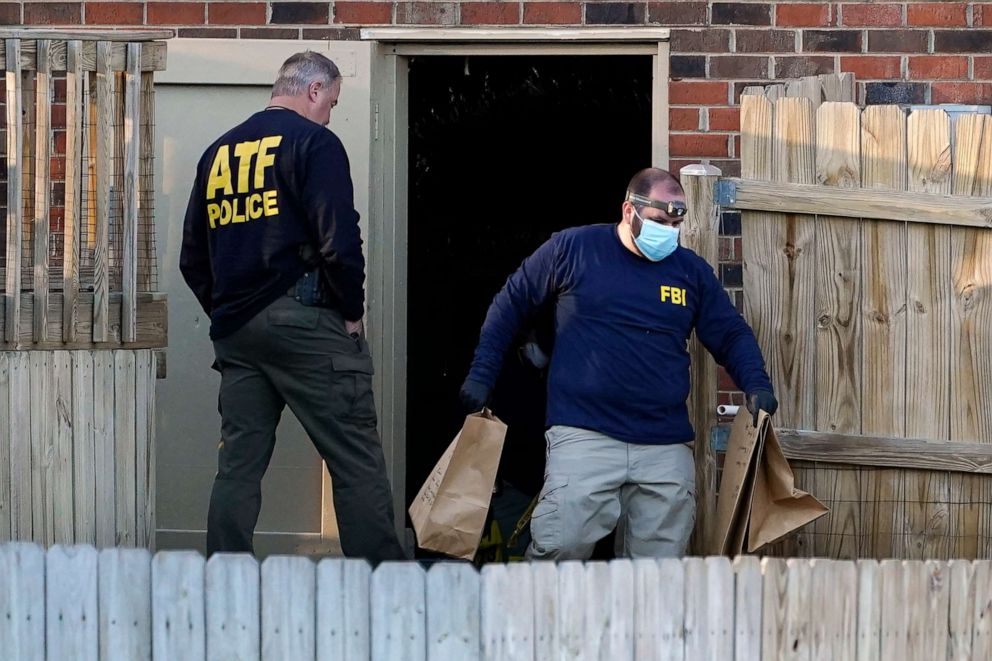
251	202
674	294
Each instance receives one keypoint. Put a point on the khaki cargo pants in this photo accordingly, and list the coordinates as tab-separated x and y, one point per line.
300	356
593	483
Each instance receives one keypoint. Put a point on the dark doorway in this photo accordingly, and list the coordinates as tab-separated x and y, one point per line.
504	151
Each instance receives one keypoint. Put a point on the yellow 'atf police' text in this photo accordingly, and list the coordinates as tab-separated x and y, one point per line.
251	202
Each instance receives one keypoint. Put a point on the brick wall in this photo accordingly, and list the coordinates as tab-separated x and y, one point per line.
900	52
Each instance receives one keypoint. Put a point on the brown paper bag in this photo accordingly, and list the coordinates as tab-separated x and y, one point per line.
449	513
758	502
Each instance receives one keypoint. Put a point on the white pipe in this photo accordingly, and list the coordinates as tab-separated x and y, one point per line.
727	409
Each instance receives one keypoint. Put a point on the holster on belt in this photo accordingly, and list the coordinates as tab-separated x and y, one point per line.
311	289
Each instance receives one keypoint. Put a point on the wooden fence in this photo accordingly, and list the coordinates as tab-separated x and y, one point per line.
78	267
868	281
77	458
78	271
76	602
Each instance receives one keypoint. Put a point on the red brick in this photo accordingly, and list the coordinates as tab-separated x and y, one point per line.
175	13
739	66
872	67
59	139
426	13
10	14
53	13
332	34
490	13
57	115
724	382
208	33
552	13
726	246
56	219
114	13
983	68
299	13
935	67
803	15
698	145
737	146
937	13
677	13
57	165
363	13
236	13
269	33
683	119
699	41
961	92
980	17
697	93
725	119
871	14
898	41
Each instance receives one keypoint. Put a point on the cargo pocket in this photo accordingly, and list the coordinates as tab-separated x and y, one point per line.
353	387
545	522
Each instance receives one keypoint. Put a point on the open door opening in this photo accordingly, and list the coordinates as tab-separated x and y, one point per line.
503	151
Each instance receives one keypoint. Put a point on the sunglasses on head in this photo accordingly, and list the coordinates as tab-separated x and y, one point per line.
673	209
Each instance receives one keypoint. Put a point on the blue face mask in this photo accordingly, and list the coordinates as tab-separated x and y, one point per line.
656	241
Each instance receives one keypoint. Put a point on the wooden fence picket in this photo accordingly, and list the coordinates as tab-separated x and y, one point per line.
289	600
453	613
399	608
178	621
508	612
546	609
71	615
981	639
233	603
621	610
869	619
747	617
894	606
125	604
597	602
833	610
571	620
961	608
671	579
343	609
647	606
22	601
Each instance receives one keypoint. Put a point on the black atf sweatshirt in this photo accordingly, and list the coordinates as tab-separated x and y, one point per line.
263	190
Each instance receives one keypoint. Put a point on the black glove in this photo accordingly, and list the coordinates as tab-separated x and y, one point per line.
474	395
761	400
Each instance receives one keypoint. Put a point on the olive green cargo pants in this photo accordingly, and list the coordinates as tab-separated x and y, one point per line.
300	356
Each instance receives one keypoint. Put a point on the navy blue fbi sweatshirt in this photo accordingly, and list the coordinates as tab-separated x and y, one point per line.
267	187
620	364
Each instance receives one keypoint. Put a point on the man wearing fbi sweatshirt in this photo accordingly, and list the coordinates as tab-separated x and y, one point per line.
626	297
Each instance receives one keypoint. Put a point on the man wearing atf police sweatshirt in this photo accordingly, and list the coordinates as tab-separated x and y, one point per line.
626	298
272	251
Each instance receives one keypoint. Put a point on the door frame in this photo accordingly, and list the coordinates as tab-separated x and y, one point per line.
387	314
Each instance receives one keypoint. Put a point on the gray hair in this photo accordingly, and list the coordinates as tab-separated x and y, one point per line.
300	70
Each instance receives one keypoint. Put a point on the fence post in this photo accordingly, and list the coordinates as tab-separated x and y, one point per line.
700	233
